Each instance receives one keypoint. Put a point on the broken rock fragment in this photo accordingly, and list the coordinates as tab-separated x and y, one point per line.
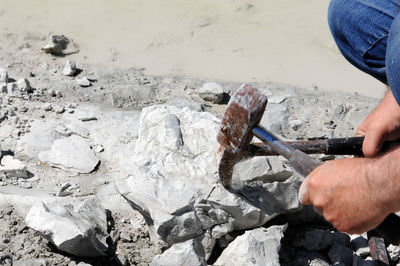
13	167
24	85
187	253
83	82
71	154
3	75
59	45
79	230
69	68
211	92
255	247
13	90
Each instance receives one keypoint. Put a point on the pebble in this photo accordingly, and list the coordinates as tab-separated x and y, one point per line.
59	109
3	87
24	85
83	82
13	90
211	92
3	75
47	107
69	68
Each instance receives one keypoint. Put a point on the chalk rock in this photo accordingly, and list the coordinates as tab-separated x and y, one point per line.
394	252
40	138
79	230
211	92
256	247
70	154
13	90
59	45
187	253
69	68
83	82
24	85
13	167
175	151
340	254
3	75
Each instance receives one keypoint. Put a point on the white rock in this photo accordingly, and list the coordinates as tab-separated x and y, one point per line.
83	82
70	154
13	167
79	130
58	109
47	107
59	45
175	151
40	138
69	68
255	247
79	230
13	90
32	262
3	75
211	92
182	254
394	252
24	85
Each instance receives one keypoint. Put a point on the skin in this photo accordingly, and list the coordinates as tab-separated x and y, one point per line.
356	194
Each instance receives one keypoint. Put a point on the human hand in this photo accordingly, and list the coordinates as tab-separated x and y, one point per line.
380	125
354	194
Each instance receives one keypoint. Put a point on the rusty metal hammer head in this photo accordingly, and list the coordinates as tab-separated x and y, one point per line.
244	112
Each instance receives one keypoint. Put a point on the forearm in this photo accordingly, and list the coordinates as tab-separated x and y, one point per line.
383	174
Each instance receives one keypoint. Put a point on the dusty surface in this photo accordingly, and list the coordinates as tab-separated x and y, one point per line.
233	40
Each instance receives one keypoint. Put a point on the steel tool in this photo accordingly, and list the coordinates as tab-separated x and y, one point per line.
241	123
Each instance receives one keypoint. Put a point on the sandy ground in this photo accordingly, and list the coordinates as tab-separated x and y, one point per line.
284	41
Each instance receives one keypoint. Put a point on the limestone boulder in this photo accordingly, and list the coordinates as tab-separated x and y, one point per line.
40	138
174	181
255	247
70	154
187	253
80	230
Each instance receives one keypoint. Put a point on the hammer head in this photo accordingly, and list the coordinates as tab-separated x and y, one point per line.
244	112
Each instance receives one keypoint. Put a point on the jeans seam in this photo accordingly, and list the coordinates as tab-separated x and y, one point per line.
374	44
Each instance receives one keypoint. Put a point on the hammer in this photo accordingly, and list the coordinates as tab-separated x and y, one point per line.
240	123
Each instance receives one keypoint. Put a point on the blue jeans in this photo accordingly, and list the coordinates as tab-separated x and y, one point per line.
367	33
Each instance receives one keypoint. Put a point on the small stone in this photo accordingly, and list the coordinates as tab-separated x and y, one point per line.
69	68
87	118
47	107
13	90
58	44
83	82
394	252
59	109
24	85
51	92
3	75
211	92
13	167
91	77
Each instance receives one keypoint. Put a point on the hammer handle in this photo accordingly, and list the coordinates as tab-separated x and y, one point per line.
334	146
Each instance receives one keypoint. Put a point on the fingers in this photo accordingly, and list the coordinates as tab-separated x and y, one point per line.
304	197
373	141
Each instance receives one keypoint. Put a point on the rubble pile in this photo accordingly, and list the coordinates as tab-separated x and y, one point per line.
116	167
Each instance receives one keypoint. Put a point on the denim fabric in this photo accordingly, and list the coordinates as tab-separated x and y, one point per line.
361	29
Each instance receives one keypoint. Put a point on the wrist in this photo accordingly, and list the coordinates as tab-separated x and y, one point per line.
383	175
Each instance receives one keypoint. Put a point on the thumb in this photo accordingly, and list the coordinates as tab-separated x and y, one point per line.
304	197
372	142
